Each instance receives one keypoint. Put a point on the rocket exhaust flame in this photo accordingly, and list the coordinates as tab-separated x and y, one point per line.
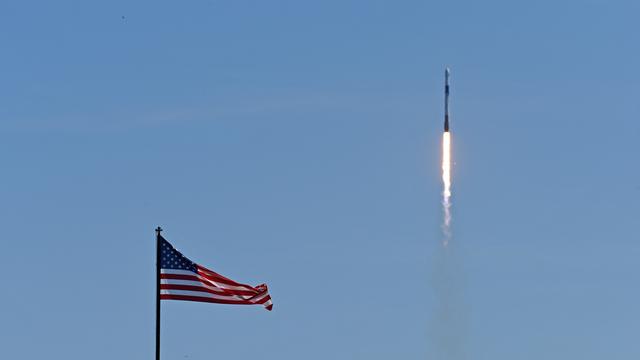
446	181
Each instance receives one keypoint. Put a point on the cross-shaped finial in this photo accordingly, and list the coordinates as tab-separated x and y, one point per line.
158	230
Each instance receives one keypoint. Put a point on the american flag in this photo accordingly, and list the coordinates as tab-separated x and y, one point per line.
182	279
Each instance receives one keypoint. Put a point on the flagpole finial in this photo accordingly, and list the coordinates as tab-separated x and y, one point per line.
158	230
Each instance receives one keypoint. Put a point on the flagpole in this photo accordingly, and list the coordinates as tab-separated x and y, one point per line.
158	247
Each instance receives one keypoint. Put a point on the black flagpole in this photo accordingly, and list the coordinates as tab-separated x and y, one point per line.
158	245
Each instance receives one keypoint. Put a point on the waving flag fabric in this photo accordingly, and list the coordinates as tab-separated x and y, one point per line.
182	279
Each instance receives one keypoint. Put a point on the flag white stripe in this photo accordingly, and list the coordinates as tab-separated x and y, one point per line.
221	292
260	297
186	282
201	294
176	272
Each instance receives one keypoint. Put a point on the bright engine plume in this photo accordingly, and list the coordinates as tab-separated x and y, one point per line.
446	181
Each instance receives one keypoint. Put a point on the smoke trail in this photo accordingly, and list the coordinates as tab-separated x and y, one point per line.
448	326
446	192
449	321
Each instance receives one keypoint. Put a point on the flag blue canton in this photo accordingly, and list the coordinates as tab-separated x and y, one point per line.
173	259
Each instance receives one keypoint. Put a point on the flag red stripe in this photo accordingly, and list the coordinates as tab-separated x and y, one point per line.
206	299
203	299
207	289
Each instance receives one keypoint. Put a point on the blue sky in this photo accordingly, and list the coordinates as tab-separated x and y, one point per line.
298	144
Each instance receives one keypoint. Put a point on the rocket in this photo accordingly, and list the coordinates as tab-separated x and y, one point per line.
446	99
